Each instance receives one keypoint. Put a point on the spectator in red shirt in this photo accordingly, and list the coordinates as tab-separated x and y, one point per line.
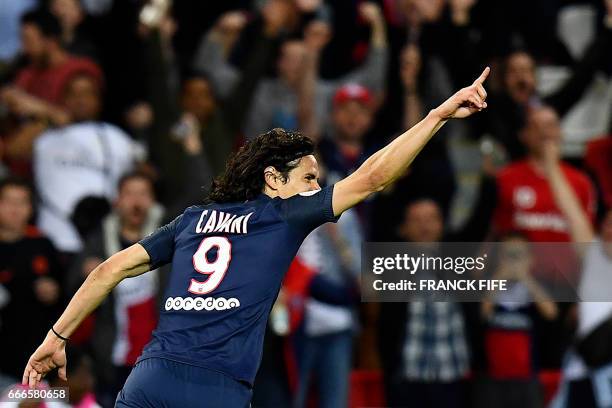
51	66
526	204
525	201
35	99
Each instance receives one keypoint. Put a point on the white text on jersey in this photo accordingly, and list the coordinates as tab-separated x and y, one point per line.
219	221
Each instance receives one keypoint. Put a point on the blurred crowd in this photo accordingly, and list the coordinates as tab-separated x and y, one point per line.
116	115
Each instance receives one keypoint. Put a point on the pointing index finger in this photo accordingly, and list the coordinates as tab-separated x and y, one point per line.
483	76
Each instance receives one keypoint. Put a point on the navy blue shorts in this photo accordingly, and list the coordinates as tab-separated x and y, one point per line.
161	383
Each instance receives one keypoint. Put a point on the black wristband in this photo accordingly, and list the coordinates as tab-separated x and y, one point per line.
59	335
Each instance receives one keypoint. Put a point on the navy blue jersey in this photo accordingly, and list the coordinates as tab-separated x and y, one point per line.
228	262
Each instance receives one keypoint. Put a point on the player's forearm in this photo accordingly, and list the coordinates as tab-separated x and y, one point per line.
392	161
132	261
92	292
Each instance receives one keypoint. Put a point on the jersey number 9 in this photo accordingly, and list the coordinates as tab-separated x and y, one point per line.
216	269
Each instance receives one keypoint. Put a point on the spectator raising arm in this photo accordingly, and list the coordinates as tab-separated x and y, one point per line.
215	47
316	36
372	73
236	106
580	227
196	165
314	94
390	162
217	44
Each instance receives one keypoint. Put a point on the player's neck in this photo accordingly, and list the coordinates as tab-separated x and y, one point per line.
270	193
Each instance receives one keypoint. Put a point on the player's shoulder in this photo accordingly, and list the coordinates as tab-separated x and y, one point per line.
229	206
302	197
191	212
306	203
196	207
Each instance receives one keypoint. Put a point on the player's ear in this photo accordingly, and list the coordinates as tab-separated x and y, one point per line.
271	177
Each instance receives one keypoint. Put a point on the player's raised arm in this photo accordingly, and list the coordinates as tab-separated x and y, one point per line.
390	162
51	353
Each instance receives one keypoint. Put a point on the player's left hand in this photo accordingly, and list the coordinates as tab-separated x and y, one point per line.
466	101
51	354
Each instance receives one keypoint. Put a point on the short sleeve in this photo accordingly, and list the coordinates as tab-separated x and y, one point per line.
160	244
306	211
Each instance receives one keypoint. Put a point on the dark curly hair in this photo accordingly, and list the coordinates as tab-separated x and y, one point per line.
243	178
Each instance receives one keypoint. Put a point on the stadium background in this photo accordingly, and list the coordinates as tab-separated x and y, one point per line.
114	114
